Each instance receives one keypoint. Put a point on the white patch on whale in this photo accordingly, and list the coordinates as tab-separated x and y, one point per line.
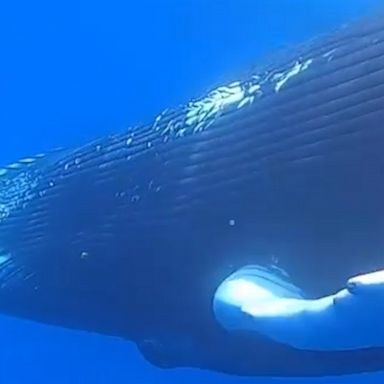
217	100
260	300
201	113
282	78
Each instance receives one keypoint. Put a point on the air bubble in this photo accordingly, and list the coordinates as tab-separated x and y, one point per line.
84	255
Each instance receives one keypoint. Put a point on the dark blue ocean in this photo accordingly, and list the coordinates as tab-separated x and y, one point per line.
75	70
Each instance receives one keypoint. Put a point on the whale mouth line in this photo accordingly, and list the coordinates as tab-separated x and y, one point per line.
259	300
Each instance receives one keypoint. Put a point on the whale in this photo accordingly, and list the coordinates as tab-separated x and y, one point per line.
270	185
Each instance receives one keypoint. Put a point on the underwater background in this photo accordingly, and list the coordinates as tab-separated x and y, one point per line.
74	70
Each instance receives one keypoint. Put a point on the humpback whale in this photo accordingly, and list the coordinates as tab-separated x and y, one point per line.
241	232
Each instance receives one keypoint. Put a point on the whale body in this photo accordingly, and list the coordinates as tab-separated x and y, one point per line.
130	235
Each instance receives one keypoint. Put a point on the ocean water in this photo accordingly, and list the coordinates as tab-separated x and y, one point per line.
74	70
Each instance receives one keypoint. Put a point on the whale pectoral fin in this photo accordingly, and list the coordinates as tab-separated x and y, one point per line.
254	292
255	299
370	283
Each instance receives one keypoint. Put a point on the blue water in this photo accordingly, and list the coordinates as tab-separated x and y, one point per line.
73	70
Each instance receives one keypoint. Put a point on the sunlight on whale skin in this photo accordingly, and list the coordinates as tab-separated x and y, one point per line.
265	301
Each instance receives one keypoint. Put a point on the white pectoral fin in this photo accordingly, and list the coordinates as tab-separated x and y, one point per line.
257	299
